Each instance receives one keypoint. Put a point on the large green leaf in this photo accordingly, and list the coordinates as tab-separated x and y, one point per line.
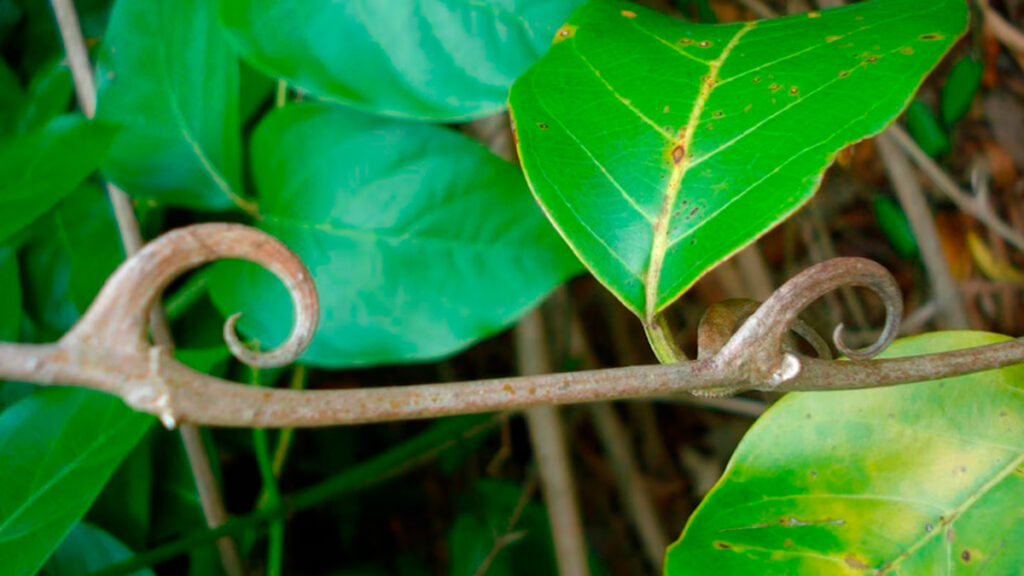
167	74
57	450
660	147
39	168
426	59
419	239
917	479
86	550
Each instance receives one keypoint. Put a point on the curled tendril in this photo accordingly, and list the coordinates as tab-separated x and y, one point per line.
120	313
759	340
722	319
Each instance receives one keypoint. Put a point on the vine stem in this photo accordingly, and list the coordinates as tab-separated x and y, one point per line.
128	227
107	350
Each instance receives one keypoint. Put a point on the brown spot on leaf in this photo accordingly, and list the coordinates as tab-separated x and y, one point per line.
508	388
666	109
855	562
831	39
775	87
565	32
722	545
794	90
686	41
542	126
966	555
748	107
718	114
678	153
844	73
628	14
872	59
929	37
704	43
757	79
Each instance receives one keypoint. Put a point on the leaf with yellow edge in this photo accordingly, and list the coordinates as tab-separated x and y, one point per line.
917	479
659	147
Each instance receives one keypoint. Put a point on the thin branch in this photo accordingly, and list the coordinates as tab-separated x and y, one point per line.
952	190
128	227
149	379
1007	33
953	314
551	451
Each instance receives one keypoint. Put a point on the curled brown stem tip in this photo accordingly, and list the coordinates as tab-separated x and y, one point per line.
758	343
120	313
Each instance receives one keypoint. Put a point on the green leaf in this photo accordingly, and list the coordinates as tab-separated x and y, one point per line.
48	95
124	507
87	549
9	16
57	450
660	147
916	479
177	509
420	240
10	295
894	224
926	129
39	168
961	87
71	253
486	517
426	59
167	74
12	97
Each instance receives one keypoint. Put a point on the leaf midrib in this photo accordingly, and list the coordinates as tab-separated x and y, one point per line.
679	169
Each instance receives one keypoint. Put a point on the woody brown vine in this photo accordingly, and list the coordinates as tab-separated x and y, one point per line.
742	346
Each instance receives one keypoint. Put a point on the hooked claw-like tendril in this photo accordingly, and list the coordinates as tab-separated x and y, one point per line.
758	344
120	313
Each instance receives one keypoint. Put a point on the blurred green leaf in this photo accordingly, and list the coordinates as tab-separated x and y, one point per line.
48	95
87	549
926	129
37	38
895	226
57	450
39	168
660	147
12	98
168	76
425	59
124	507
10	295
496	511
420	240
917	479
71	253
962	85
176	507
9	16
256	90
